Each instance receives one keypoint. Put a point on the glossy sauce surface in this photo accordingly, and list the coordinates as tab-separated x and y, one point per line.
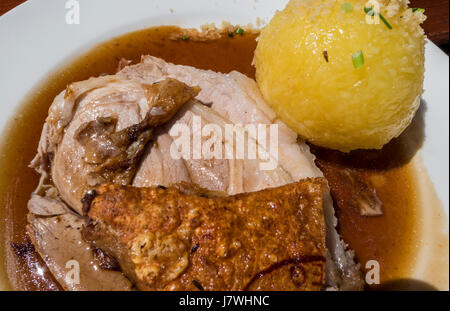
388	239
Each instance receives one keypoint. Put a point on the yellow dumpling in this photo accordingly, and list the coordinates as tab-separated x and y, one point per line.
338	78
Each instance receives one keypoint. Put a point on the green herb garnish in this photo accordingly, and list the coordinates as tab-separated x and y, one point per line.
370	11
185	38
358	59
230	34
418	9
240	31
385	22
347	7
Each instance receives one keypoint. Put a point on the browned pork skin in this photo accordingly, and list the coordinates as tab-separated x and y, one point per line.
165	239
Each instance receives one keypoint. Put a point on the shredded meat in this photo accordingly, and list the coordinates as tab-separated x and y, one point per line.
164	239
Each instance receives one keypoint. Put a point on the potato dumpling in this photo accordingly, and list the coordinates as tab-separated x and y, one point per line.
339	81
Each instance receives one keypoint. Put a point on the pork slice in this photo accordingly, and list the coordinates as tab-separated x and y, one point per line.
56	234
212	174
224	173
236	99
69	170
157	168
110	126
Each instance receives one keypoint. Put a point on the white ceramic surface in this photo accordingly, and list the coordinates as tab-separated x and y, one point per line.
35	39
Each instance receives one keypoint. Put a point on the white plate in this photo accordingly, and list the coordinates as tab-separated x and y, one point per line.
35	39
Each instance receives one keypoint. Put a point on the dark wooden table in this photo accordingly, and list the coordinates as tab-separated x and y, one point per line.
436	25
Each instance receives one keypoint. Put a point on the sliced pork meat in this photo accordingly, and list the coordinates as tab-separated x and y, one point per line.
159	169
167	240
55	231
98	131
237	100
107	134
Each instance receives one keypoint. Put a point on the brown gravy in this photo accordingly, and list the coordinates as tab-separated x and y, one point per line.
388	238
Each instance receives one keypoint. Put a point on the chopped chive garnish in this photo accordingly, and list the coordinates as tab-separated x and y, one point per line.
240	31
385	21
370	11
358	59
347	7
418	9
185	38
230	34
